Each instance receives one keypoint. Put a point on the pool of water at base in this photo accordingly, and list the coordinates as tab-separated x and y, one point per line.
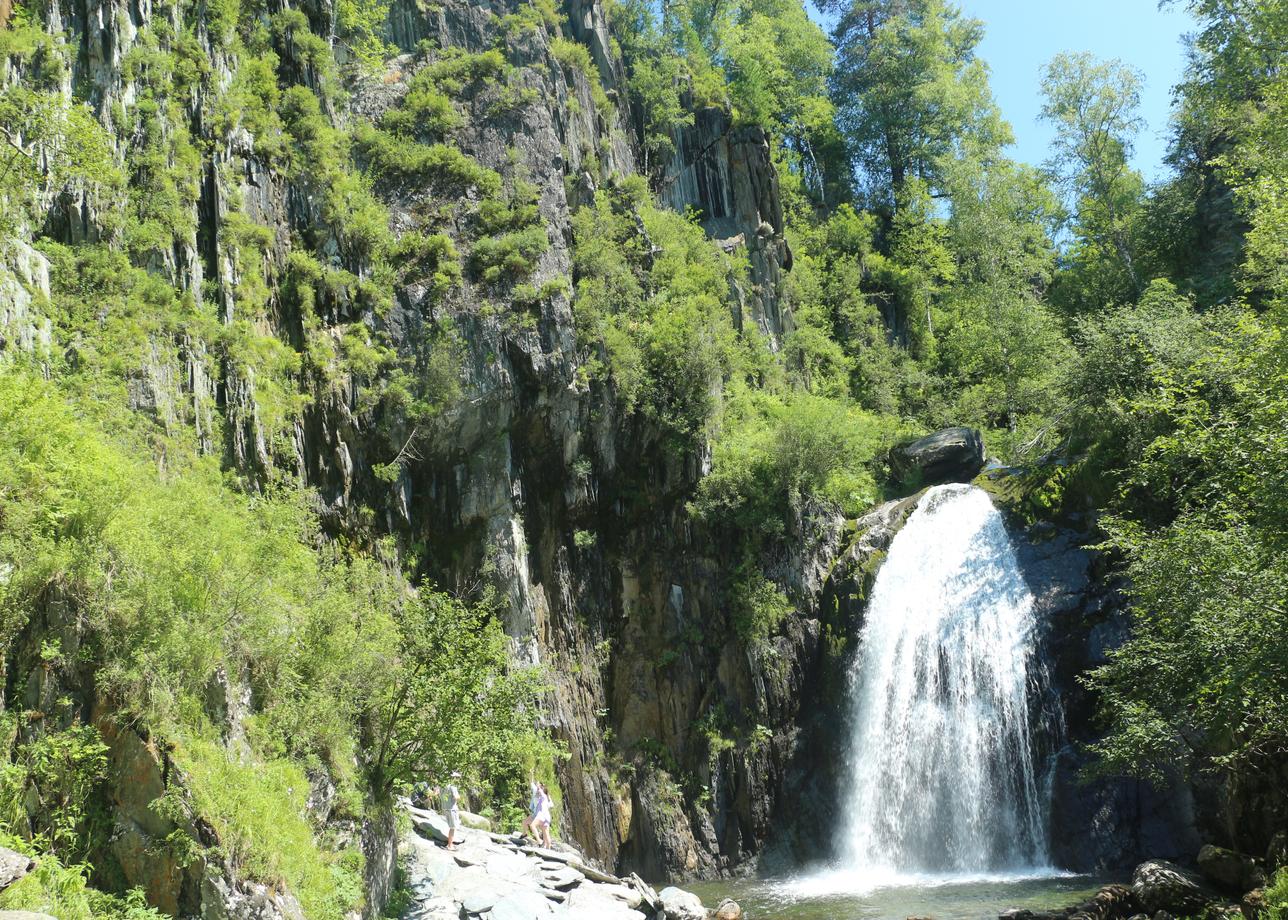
829	897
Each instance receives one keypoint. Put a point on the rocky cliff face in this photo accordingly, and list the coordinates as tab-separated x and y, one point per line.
630	620
684	740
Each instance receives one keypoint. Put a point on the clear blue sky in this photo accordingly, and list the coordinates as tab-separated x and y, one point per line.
1020	36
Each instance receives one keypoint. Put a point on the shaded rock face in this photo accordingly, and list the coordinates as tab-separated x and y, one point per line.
950	455
727	176
1231	871
1104	824
806	814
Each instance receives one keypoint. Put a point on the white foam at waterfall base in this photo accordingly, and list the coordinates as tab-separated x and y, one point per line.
939	784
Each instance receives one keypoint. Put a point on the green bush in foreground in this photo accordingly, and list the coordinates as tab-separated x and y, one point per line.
178	576
63	891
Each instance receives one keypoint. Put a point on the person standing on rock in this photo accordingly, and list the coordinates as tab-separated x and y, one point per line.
541	823
452	809
534	807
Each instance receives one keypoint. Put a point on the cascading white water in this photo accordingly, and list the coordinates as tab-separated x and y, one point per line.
940	767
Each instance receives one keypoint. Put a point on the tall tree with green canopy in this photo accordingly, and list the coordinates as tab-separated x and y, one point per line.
1237	91
998	341
1093	107
910	93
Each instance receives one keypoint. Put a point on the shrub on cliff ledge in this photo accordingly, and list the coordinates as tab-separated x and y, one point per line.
773	452
653	297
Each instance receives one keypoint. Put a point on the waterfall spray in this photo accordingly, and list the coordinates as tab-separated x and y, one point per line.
940	773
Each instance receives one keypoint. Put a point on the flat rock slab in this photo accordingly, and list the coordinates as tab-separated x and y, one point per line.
566	877
510	866
522	905
481	898
594	874
436	909
548	855
591	902
491	877
623	893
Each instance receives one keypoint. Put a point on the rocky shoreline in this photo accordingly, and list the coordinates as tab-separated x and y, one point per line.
502	877
1225	883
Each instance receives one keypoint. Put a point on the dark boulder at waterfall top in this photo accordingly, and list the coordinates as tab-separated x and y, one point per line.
1161	885
950	455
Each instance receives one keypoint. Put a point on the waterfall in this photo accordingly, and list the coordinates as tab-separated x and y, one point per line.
940	777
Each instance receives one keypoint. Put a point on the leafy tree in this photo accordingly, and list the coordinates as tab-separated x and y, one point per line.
1202	685
910	93
452	699
1235	97
998	341
1093	107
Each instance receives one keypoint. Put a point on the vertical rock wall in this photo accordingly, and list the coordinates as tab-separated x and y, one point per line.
632	621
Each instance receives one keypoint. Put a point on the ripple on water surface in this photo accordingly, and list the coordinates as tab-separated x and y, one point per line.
847	895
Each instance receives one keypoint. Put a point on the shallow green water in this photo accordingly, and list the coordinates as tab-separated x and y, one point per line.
840	897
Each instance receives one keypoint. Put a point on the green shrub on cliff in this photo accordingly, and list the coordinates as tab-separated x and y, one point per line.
443	168
511	235
50	140
757	606
63	891
652	294
774	452
48	782
177	577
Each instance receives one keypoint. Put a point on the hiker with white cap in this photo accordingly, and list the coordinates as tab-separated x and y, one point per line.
452	808
534	807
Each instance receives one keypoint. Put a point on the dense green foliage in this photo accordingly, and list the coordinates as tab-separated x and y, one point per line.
63	891
1122	340
651	293
181	578
181	574
1125	338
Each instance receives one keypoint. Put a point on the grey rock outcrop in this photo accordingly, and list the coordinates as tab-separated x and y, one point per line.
682	905
950	455
13	867
1162	885
496	877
